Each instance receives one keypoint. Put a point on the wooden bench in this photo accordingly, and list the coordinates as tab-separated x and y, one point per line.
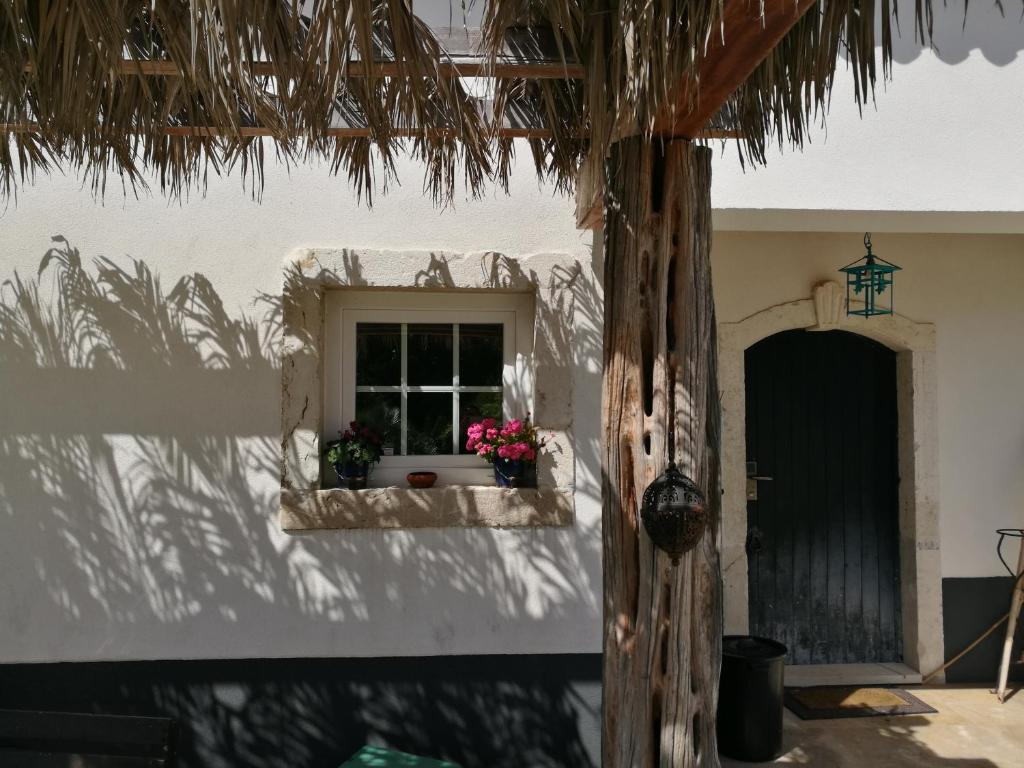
31	739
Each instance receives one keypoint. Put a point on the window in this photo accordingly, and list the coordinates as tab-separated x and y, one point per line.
420	367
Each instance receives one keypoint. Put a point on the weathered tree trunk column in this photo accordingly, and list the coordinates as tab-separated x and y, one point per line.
662	650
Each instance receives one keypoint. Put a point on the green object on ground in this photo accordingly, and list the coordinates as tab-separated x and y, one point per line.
381	757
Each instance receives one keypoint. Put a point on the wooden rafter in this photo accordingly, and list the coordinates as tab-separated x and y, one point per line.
750	31
506	131
522	70
528	54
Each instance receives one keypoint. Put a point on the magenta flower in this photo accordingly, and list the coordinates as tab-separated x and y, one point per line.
516	440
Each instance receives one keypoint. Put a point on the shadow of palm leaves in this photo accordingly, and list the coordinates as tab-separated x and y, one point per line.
139	472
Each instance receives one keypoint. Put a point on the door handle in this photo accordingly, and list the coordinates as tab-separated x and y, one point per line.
753	479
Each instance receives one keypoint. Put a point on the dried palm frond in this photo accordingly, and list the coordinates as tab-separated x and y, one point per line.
179	88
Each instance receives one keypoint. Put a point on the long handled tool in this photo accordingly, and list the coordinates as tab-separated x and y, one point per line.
1016	600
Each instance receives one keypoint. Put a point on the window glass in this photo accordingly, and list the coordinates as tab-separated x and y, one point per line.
378	354
430	424
481	351
430	354
436	356
382	412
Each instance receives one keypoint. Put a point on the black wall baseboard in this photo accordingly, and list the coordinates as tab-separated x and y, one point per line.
486	711
969	607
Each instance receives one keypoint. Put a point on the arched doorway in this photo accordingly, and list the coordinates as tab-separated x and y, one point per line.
823	496
917	405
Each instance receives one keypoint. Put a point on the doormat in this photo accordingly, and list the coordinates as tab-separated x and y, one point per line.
832	702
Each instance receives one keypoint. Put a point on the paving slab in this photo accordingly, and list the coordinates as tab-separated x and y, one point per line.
970	730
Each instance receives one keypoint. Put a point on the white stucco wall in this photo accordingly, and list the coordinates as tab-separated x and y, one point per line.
154	533
139	505
938	151
969	287
160	538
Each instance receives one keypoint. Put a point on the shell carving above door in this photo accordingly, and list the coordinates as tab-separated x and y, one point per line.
829	303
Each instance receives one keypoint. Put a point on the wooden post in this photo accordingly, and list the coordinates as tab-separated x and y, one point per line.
663	624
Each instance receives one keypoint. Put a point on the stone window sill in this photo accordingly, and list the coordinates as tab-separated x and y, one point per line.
453	506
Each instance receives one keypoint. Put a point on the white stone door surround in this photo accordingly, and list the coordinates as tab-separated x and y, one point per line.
920	566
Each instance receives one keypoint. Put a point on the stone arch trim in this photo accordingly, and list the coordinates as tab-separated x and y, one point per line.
917	400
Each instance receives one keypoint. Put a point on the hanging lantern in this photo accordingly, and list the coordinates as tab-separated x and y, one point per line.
674	513
870	281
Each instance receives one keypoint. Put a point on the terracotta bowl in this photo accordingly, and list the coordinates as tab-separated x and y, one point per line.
421	479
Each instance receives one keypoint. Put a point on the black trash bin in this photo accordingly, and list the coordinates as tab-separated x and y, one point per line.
750	698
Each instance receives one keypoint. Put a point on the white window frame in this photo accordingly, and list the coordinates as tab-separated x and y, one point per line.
346	308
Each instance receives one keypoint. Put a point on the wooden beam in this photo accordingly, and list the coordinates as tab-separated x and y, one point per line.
445	69
350	132
353	132
747	37
529	53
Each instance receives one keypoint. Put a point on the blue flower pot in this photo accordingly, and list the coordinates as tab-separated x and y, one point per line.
509	473
352	476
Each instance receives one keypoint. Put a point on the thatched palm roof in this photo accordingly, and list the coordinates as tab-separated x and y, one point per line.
182	87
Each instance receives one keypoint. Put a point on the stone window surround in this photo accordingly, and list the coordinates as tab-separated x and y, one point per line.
917	403
308	274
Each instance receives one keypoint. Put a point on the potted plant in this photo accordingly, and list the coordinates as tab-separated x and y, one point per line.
511	448
352	455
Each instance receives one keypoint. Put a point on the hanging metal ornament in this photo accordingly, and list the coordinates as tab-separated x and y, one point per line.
674	513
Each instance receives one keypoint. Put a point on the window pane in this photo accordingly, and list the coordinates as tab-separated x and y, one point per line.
430	355
430	423
382	412
378	354
474	406
481	355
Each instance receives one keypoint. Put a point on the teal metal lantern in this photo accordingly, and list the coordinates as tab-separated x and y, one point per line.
870	280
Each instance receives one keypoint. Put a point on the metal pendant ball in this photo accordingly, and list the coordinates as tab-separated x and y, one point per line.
674	513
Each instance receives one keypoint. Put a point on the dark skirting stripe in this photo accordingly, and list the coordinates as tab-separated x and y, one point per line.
488	711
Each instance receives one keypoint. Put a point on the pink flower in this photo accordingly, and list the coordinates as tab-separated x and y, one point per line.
472	443
514	426
492	434
488	423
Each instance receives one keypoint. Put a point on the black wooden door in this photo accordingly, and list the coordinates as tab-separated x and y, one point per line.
823	533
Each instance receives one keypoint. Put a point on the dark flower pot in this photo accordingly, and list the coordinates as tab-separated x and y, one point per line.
515	474
352	476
